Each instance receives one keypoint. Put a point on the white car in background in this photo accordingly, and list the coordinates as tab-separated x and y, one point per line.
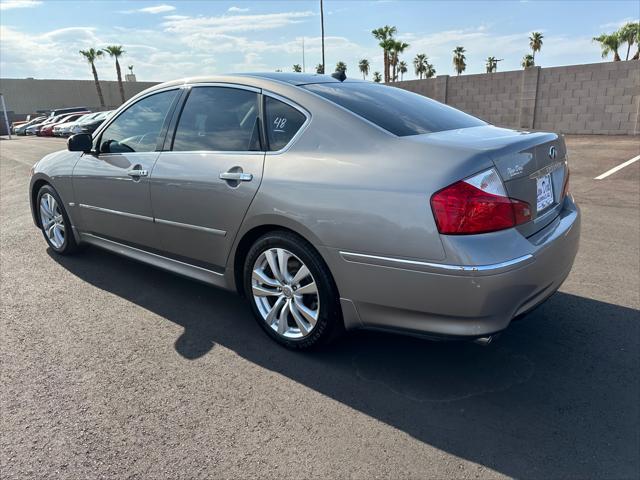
89	123
65	129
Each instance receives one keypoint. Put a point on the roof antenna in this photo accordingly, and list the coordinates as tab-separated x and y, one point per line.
339	75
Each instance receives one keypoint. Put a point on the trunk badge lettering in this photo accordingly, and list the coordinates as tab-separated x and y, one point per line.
553	153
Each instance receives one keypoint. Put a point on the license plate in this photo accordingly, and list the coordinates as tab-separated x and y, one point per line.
545	192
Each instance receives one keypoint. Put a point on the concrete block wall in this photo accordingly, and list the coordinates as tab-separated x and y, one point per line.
24	96
599	98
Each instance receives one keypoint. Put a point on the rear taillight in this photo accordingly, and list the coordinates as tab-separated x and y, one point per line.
478	204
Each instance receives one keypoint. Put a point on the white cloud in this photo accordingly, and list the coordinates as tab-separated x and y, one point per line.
216	25
237	9
9	4
155	9
616	25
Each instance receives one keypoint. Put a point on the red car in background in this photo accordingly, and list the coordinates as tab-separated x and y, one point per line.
47	130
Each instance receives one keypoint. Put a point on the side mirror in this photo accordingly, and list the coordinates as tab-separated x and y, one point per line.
80	142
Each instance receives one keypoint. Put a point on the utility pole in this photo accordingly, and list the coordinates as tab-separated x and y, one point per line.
303	66
322	27
6	120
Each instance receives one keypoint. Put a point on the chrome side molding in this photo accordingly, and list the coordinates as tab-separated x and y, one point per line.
213	231
434	267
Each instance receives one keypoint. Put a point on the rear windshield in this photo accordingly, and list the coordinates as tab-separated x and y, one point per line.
398	111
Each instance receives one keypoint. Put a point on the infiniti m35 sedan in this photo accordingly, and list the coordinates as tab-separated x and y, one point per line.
330	204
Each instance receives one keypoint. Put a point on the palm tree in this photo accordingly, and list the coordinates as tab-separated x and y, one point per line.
430	71
402	68
630	33
91	56
420	64
341	67
396	49
609	43
364	68
459	60
535	42
320	68
385	37
492	64
297	68
377	77
116	51
528	61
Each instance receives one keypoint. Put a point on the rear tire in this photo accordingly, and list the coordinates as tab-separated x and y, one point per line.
291	292
54	221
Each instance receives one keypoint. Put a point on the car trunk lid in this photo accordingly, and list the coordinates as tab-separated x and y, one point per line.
533	165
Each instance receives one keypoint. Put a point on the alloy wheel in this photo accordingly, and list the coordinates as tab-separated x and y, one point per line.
285	293
52	220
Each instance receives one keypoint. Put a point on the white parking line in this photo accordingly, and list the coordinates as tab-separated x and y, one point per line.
619	167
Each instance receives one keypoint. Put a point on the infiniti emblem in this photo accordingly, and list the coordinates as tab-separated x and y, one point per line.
552	152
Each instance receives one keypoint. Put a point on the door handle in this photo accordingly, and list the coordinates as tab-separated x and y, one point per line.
138	173
236	176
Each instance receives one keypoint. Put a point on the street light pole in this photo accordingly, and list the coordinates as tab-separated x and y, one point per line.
6	120
322	28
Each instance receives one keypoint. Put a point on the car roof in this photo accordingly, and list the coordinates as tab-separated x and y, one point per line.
256	79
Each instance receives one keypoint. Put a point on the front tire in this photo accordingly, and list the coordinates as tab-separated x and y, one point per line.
54	222
291	291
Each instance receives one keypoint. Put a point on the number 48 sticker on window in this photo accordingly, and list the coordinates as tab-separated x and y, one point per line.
545	192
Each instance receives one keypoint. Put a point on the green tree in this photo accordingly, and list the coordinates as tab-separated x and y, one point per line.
430	71
116	51
420	65
396	49
535	42
492	64
630	33
320	68
91	55
609	43
377	77
341	67
528	61
459	60
384	35
364	66
402	68
297	68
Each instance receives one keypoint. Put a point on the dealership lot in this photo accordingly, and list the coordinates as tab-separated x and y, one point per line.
112	368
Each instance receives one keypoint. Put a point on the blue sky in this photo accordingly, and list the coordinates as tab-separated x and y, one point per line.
170	39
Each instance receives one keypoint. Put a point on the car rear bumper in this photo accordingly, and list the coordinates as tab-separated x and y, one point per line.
455	300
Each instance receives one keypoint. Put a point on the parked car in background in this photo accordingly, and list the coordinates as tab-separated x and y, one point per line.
328	204
67	110
64	130
35	128
65	121
47	131
90	125
22	129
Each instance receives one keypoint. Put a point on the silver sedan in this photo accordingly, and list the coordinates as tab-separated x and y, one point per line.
330	204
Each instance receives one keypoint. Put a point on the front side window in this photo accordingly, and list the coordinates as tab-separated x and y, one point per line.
396	110
219	119
282	122
137	128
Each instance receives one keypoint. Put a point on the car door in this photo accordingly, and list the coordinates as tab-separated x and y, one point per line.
203	185
112	185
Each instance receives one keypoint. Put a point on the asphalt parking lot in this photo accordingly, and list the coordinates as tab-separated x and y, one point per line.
114	369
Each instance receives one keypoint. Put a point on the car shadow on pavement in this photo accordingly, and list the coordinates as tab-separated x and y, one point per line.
555	396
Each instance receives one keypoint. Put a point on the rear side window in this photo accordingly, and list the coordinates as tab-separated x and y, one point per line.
397	111
219	119
282	122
